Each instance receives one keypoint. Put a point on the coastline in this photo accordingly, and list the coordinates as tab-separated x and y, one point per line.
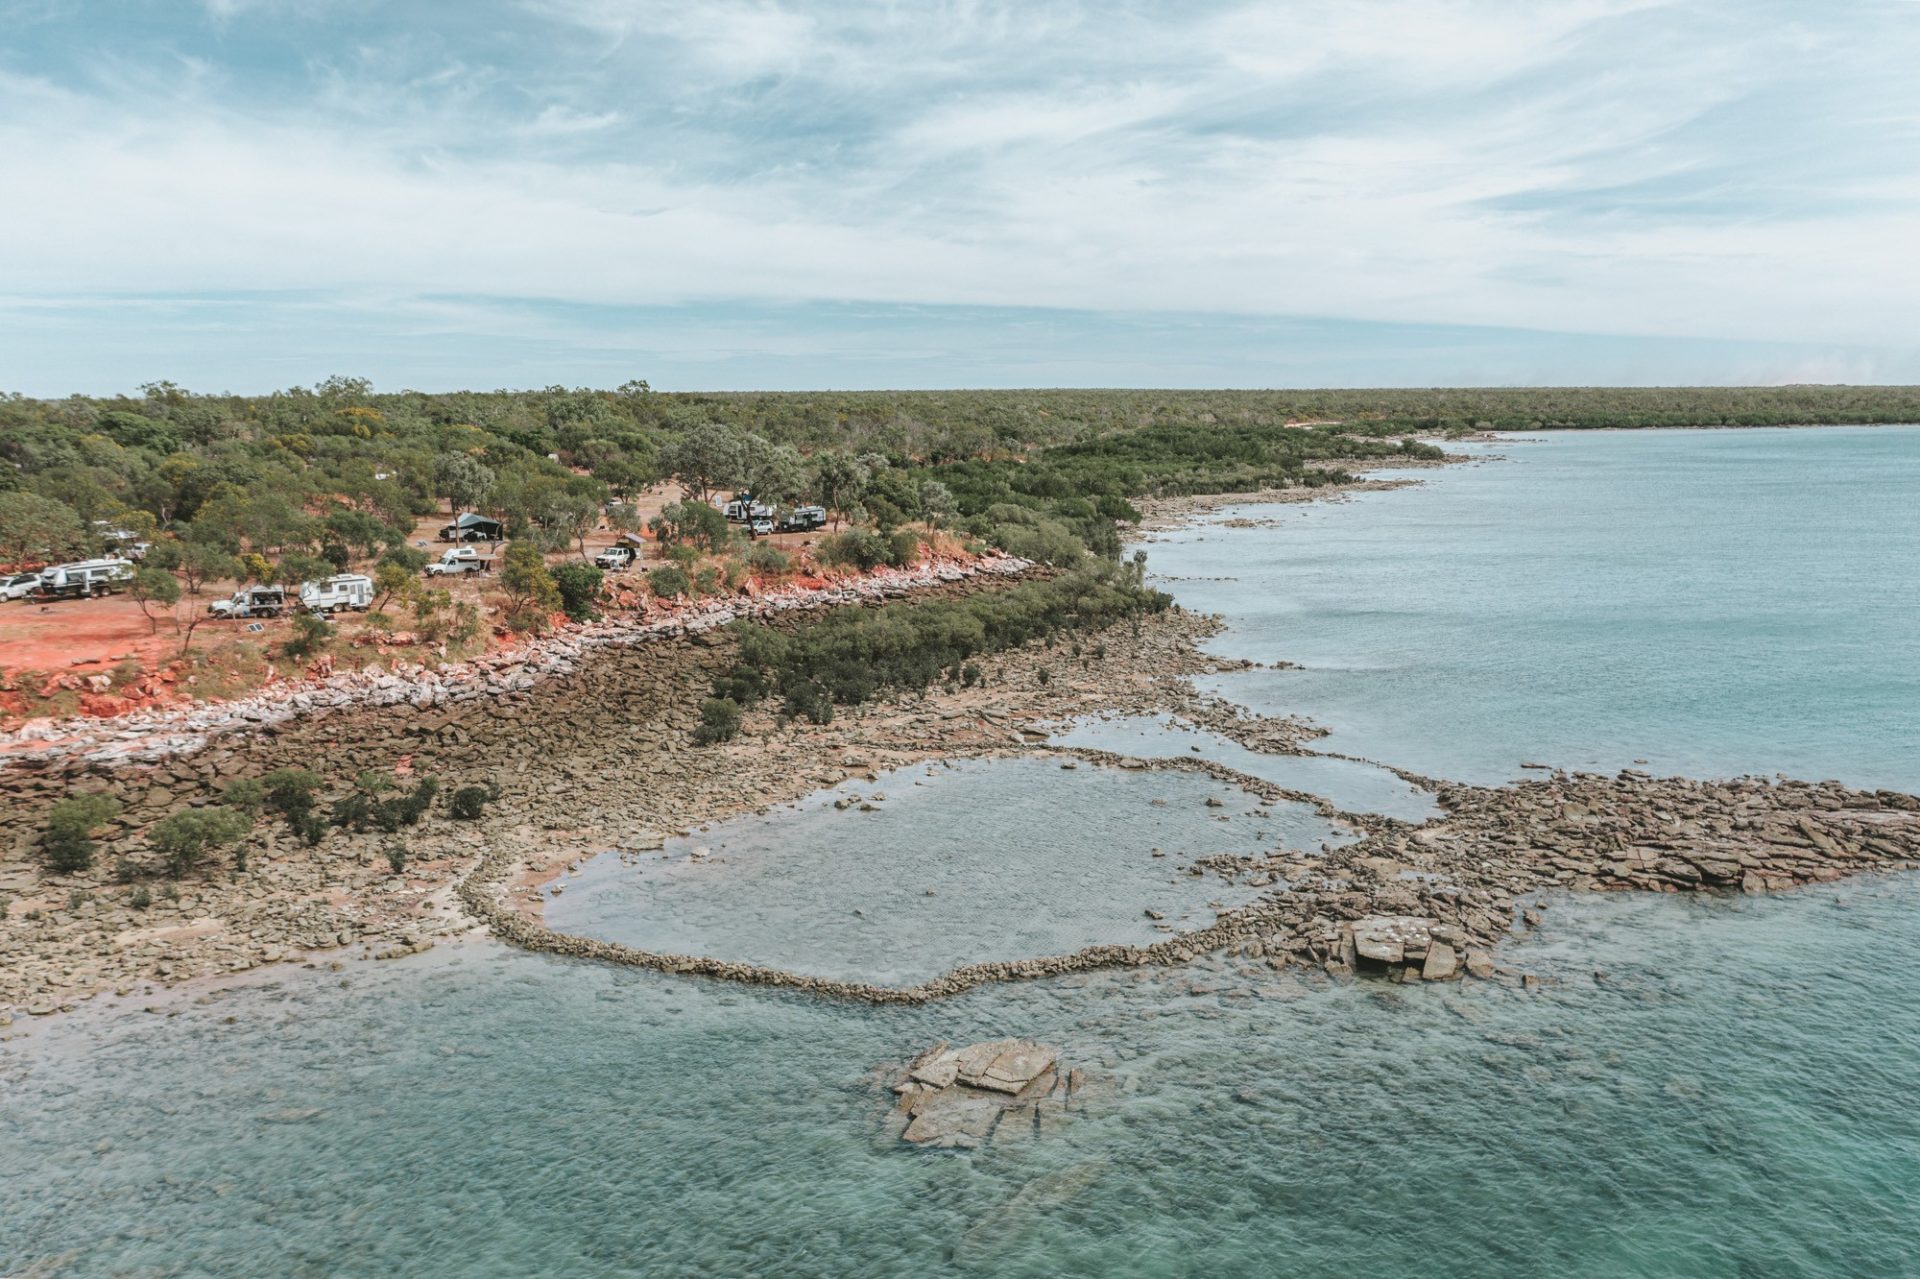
1473	875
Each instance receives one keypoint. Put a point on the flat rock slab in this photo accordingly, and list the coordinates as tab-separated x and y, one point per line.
1004	1065
1387	939
959	1098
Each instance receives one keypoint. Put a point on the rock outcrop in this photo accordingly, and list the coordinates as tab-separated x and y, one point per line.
1001	1090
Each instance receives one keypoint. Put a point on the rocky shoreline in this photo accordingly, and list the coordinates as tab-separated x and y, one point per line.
587	746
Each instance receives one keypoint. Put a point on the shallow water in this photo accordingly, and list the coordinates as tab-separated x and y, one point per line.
1714	602
1705	1087
1716	1106
984	859
1351	786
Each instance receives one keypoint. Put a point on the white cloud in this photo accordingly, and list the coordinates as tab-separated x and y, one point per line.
1427	160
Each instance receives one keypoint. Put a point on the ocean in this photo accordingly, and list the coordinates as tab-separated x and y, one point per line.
1701	1086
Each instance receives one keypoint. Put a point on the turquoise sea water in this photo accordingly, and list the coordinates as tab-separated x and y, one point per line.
1714	602
954	864
1712	1087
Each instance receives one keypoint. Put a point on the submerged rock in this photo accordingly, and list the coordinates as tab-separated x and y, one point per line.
960	1098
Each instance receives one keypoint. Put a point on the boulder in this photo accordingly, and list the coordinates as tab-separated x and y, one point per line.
954	1098
1387	939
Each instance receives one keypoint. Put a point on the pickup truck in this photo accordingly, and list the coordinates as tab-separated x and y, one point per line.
460	559
616	557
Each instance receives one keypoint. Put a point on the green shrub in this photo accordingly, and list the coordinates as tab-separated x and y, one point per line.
125	872
531	595
369	807
311	634
768	560
856	548
184	839
247	794
396	855
70	826
668	581
579	586
141	897
719	721
289	791
903	547
470	802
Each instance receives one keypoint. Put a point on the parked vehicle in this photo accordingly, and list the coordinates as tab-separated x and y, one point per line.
84	579
762	526
342	591
460	559
616	557
473	528
252	601
802	519
122	542
18	586
744	510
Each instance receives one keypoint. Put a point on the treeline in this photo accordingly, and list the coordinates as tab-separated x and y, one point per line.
308	477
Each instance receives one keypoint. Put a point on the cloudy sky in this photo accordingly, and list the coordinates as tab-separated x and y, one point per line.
245	194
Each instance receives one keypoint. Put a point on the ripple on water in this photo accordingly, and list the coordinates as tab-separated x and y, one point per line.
1731	1099
960	862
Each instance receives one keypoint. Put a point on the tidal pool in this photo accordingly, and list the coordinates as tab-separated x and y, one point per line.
959	862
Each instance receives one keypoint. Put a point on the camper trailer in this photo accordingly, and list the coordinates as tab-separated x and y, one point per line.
744	510
343	591
84	579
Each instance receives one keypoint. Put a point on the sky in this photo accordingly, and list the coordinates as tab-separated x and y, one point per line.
760	194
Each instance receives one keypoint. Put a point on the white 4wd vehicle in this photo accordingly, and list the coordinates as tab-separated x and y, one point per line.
459	559
18	586
762	526
616	557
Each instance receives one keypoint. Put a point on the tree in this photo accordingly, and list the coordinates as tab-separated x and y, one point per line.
391	579
531	596
624	517
298	567
774	473
36	528
579	586
573	513
200	562
709	456
462	480
837	480
936	502
154	585
691	524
